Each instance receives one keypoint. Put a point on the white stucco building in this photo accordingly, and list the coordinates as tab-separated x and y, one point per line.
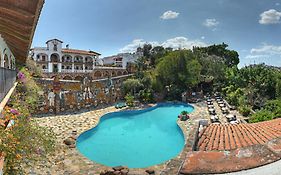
54	58
122	59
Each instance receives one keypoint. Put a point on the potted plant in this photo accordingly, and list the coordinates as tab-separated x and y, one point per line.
183	116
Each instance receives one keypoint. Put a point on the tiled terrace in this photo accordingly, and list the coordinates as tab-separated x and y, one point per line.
225	148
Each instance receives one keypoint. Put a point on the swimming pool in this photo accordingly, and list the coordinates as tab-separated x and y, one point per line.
137	138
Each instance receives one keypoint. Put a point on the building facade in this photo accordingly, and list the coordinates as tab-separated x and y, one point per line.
72	64
122	59
56	59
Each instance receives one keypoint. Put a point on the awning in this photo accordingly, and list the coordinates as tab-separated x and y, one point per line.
18	20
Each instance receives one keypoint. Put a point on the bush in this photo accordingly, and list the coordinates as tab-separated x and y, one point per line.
245	110
130	100
274	106
260	116
145	96
184	112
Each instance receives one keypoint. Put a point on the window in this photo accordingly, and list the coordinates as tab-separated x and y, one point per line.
44	67
62	67
43	58
38	56
55	47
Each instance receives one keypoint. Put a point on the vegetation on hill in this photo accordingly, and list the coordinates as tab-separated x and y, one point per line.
168	73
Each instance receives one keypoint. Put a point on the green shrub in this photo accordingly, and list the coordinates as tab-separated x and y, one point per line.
260	116
244	110
130	100
145	96
184	112
274	106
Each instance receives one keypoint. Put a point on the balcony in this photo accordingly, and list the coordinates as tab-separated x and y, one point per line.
66	70
7	80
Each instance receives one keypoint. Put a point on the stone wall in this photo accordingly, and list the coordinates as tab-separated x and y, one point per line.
70	95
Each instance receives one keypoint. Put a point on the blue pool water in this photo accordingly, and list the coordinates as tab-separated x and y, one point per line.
136	139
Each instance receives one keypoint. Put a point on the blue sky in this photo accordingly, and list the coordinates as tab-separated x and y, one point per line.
252	27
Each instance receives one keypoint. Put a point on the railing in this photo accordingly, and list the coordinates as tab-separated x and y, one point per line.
106	67
7	80
66	70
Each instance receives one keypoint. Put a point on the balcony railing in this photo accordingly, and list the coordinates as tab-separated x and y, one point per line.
7	80
66	70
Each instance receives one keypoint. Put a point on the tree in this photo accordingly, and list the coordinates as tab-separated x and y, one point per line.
131	86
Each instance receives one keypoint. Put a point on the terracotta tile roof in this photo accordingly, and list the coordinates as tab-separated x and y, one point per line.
229	137
225	148
216	162
82	52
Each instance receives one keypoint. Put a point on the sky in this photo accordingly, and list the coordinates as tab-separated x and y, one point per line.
251	27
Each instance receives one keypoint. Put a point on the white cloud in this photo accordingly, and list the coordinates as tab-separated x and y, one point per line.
267	50
175	43
211	23
271	16
256	56
169	15
132	47
182	42
202	37
277	3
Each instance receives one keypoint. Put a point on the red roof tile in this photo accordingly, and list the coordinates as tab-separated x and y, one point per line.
229	137
226	148
210	162
82	52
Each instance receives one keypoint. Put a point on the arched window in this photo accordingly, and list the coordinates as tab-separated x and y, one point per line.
88	59
78	59
54	58
67	58
6	61
44	57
